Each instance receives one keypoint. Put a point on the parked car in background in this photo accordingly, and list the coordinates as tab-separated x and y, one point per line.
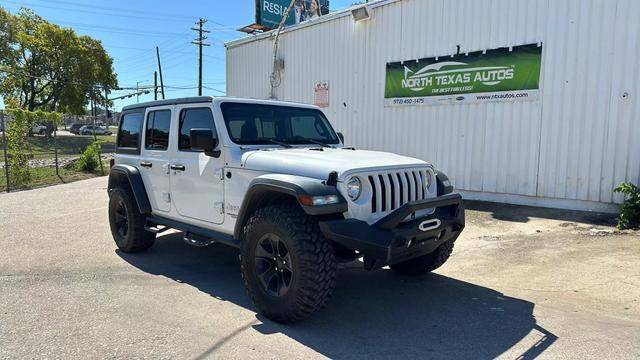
38	128
90	129
75	128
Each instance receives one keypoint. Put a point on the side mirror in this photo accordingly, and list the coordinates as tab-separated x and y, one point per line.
203	140
341	136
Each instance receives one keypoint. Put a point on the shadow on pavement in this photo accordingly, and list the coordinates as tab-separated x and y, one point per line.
522	214
372	314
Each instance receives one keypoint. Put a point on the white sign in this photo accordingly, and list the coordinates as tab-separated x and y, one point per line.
321	92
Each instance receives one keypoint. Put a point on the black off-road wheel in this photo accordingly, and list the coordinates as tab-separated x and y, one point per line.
427	263
287	265
127	223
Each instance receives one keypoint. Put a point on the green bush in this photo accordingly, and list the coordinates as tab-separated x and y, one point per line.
19	149
630	209
90	159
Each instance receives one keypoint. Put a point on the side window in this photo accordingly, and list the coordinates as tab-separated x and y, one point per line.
157	132
195	118
129	132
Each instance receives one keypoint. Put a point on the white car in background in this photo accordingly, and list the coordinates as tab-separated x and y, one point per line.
90	129
39	128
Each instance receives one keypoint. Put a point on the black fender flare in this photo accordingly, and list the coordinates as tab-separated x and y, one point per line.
132	174
293	186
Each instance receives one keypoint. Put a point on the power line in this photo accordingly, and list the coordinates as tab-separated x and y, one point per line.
18	73
111	29
119	14
140	11
139	59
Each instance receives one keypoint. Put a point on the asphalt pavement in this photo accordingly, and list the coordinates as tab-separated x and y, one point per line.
522	283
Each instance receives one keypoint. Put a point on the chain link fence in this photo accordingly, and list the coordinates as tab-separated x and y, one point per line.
78	148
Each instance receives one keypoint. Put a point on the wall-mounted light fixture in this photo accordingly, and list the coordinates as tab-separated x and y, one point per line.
361	13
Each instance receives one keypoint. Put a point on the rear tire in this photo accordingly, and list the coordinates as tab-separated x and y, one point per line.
127	223
427	263
287	265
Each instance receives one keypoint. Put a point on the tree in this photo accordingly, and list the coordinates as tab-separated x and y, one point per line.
51	68
7	37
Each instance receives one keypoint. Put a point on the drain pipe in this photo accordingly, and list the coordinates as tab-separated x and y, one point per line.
276	78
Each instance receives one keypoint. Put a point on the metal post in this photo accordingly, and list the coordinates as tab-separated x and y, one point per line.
93	115
160	70
4	145
106	107
137	92
275	82
55	149
106	110
155	85
94	112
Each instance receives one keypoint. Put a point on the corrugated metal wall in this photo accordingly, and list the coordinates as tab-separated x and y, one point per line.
576	143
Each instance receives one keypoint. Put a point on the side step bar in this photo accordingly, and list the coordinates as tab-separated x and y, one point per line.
194	235
195	240
154	228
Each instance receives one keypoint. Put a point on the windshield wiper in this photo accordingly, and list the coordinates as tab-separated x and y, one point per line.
303	139
319	143
283	144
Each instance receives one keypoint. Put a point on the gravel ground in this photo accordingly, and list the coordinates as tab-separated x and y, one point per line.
522	282
63	161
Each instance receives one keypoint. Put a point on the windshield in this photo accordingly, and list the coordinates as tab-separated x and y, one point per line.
257	124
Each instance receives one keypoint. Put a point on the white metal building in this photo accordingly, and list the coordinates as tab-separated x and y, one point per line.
567	149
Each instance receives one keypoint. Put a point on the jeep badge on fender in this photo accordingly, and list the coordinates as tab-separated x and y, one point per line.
275	180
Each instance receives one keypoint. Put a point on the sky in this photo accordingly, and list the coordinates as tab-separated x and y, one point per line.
130	31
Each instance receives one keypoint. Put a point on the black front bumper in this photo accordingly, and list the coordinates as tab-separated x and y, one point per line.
390	240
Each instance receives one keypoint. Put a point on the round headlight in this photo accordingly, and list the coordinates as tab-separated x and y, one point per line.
353	188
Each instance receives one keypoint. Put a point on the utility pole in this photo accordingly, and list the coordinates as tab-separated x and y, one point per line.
200	42
137	92
155	85
160	70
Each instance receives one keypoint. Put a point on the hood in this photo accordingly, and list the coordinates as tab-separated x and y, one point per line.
314	163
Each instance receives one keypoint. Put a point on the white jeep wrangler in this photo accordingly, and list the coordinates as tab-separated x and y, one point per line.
275	180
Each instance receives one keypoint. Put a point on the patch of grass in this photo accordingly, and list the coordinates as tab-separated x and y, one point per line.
46	176
43	147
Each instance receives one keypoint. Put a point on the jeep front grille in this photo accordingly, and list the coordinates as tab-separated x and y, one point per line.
392	189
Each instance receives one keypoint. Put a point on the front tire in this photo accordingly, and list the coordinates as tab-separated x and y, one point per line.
287	265
427	263
127	223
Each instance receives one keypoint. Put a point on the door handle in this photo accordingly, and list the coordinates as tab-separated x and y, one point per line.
146	164
177	167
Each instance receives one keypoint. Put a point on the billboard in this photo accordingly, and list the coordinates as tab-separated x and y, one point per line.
269	13
504	74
